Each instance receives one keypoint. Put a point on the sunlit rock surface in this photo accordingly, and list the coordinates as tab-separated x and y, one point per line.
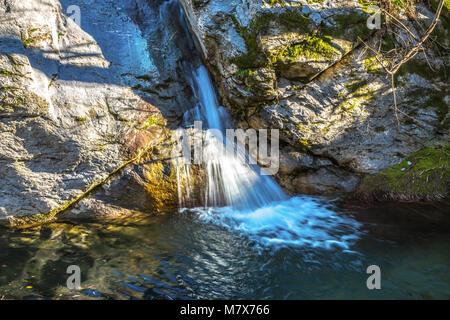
80	102
301	67
86	111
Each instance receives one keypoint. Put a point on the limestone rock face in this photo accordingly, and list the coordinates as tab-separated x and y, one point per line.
80	102
303	67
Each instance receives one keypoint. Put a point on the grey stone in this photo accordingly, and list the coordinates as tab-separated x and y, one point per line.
75	99
339	109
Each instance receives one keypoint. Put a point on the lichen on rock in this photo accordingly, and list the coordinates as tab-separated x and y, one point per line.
329	96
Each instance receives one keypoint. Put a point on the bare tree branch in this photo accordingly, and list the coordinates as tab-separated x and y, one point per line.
411	53
416	48
400	23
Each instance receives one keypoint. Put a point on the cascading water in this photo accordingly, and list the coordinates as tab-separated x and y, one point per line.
231	180
237	196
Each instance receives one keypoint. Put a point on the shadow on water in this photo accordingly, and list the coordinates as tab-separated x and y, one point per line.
182	256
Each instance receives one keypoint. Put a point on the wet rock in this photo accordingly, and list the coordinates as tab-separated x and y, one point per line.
325	181
294	161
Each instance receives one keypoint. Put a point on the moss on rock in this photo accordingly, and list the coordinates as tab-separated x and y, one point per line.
348	26
28	221
372	65
15	100
154	120
422	69
291	20
424	175
274	2
312	47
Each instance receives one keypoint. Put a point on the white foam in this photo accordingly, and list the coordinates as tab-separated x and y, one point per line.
299	221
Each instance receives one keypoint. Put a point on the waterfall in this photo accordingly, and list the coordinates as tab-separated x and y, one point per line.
237	196
231	180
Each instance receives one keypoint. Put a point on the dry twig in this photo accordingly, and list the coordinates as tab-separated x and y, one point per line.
391	68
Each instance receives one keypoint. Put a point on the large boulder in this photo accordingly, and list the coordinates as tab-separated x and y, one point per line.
303	67
82	105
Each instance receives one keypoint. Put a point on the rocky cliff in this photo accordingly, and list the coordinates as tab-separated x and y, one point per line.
304	67
90	94
85	107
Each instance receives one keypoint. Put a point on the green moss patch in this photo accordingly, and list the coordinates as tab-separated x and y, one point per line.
244	73
436	101
291	20
36	35
10	99
372	65
152	121
357	96
312	48
348	27
274	2
424	175
422	69
6	73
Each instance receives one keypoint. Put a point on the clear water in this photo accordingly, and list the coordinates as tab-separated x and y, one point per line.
197	254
